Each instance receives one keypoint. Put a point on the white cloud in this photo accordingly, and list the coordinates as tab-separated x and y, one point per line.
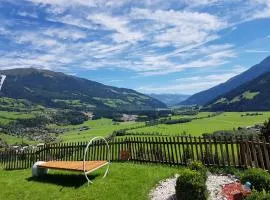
189	88
65	33
196	3
66	3
147	37
189	85
203	57
120	25
214	77
33	38
27	14
180	27
257	51
263	11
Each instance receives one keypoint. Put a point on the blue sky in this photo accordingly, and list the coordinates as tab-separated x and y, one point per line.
173	46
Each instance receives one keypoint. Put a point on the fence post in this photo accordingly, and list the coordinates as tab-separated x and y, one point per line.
266	154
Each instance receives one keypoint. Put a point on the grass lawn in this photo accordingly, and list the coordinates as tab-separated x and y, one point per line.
225	121
125	181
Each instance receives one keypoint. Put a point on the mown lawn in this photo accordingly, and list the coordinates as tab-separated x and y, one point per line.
225	121
125	181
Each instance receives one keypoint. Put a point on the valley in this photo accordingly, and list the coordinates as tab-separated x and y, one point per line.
202	123
42	106
134	100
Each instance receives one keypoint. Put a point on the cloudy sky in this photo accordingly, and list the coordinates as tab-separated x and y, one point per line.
159	46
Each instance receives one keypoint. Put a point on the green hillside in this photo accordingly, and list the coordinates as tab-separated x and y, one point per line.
252	96
209	95
52	89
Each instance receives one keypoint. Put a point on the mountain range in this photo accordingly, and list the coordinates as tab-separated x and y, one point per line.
55	89
204	97
170	99
245	92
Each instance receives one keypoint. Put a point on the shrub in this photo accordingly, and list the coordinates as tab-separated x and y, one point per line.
259	179
198	166
265	130
190	185
187	155
259	196
210	158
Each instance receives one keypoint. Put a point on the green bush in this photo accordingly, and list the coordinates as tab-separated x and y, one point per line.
259	179
259	196
198	166
190	185
187	155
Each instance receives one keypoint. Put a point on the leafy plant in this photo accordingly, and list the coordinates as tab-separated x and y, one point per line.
187	155
210	158
198	166
259	179
266	129
190	185
259	196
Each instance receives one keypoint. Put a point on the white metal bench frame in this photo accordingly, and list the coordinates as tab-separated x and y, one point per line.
38	170
84	159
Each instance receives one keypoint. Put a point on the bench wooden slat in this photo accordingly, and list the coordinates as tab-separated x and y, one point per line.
73	165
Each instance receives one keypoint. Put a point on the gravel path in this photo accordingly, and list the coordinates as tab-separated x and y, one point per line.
166	189
214	185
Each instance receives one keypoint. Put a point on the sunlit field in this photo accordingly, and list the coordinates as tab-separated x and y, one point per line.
101	127
224	121
6	117
105	127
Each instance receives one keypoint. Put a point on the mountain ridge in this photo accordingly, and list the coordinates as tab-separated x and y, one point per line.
251	96
208	95
169	99
56	89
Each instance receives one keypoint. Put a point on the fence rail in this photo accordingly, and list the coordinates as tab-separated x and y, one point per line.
177	150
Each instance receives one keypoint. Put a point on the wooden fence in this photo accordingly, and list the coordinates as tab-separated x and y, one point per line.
212	151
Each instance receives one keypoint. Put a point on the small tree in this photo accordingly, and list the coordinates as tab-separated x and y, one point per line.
265	130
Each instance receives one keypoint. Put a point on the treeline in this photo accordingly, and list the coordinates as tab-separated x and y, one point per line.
168	121
251	114
69	117
143	115
59	118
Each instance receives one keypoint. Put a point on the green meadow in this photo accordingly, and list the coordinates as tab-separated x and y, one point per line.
9	139
100	127
105	127
6	117
224	121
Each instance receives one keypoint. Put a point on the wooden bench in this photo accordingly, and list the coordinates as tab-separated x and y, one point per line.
84	166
